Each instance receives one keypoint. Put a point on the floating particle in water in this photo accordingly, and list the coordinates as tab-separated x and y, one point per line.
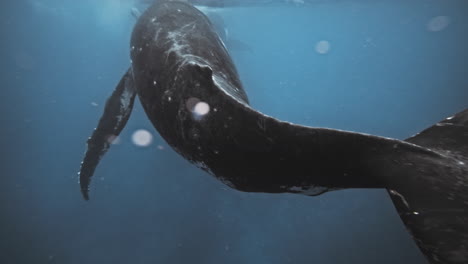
142	138
438	23
322	47
369	42
24	61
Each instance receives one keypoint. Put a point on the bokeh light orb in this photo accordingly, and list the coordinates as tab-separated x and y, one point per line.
197	107
438	23
201	108
322	47
142	138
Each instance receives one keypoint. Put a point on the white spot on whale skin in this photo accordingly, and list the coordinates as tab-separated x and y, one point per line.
295	189
142	138
444	124
306	190
393	192
113	139
203	166
125	101
461	163
227	182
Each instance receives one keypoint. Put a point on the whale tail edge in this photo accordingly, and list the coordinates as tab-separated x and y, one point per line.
449	136
433	203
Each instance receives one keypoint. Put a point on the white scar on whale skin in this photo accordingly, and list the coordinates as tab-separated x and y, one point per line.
125	101
178	48
156	36
177	38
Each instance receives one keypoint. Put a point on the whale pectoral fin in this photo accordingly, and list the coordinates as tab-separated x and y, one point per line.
116	113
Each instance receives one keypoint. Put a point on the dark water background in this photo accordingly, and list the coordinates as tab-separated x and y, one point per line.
393	68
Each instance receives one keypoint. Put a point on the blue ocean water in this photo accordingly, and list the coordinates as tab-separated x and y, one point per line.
390	68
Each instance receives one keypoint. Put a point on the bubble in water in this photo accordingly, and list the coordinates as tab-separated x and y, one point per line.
142	138
438	23
322	47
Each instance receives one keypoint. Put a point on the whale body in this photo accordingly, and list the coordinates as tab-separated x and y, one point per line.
191	92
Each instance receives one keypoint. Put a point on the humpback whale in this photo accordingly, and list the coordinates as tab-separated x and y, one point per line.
191	92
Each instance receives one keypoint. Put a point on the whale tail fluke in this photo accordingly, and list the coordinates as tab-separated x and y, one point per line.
449	136
116	113
431	198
